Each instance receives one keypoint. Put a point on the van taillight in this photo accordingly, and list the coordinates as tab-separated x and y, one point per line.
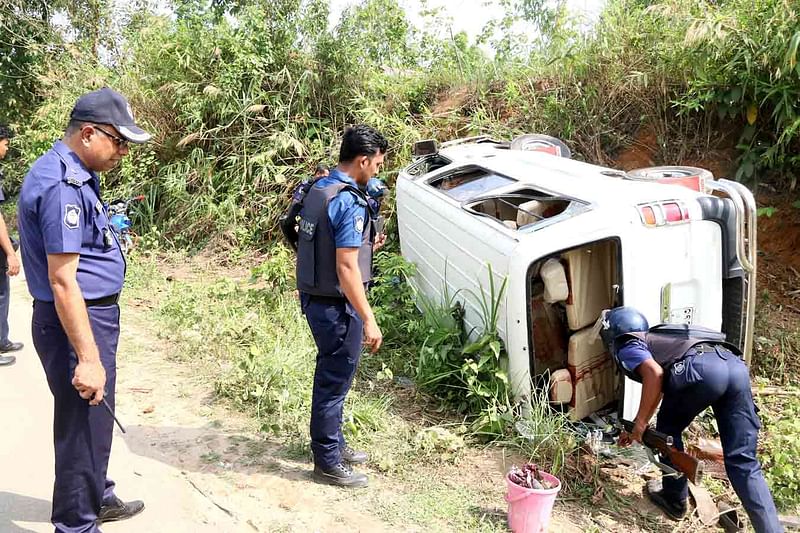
663	213
648	216
673	212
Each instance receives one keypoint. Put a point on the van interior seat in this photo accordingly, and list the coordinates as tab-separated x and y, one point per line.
510	224
591	272
554	277
592	371
561	386
534	206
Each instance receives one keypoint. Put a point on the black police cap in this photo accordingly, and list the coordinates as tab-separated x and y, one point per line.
107	106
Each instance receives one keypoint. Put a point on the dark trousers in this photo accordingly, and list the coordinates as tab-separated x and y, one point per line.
5	299
81	433
722	381
338	331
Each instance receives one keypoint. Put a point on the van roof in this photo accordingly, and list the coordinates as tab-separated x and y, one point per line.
566	177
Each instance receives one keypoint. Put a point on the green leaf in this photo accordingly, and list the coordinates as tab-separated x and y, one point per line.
766	211
495	347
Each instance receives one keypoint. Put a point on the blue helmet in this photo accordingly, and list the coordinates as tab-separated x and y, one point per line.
619	321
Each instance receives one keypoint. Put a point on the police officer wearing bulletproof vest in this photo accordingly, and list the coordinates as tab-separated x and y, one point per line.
690	368
75	270
334	265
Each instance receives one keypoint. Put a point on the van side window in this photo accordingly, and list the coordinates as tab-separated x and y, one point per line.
469	183
523	207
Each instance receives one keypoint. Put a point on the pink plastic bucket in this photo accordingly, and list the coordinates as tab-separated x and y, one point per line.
529	510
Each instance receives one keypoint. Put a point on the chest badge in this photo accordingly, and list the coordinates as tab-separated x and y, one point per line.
359	223
678	368
72	216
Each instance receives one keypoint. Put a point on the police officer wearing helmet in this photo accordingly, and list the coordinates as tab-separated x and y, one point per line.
690	368
75	270
334	265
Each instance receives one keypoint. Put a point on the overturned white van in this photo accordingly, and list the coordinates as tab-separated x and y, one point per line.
573	239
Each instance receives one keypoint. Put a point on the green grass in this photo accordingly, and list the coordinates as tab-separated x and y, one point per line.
248	336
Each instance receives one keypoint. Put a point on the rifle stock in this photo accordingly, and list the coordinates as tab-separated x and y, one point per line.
684	463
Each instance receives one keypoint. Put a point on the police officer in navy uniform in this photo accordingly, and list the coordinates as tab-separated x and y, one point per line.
690	368
334	265
9	266
75	270
288	222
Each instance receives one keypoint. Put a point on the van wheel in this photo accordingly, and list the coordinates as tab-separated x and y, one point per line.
667	172
536	142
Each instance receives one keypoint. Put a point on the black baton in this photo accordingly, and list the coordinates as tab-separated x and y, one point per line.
108	408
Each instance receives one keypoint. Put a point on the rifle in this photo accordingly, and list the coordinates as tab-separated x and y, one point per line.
683	463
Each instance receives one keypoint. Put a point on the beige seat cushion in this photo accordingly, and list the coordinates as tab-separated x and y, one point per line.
510	224
554	277
594	389
591	272
593	373
561	386
584	346
534	206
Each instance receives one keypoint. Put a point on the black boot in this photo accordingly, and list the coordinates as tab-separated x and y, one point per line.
349	455
675	510
11	347
6	360
340	475
116	510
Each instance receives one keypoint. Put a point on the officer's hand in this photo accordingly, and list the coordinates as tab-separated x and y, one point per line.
373	338
626	439
90	381
13	264
380	240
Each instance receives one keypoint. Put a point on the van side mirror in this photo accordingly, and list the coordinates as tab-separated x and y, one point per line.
423	148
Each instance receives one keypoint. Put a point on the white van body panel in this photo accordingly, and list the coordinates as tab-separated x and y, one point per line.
671	273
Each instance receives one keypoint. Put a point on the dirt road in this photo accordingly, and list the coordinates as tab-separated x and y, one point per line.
195	465
199	466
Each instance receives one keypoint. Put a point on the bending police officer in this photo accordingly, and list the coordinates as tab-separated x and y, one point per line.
693	368
75	271
334	265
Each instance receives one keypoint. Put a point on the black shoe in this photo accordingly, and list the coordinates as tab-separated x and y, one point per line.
7	360
119	510
11	347
340	475
349	455
728	519
675	511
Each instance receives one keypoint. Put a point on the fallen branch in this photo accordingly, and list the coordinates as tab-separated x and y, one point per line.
775	391
209	498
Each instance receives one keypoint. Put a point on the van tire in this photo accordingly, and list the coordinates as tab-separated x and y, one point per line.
530	142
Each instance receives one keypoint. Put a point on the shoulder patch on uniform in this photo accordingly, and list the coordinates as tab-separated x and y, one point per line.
359	223
72	216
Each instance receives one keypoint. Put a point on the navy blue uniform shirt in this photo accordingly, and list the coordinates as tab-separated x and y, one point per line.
346	211
60	212
633	353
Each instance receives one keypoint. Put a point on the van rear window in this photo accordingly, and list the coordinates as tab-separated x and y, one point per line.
470	183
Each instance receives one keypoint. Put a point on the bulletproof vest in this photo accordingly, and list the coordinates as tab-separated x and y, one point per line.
316	247
669	343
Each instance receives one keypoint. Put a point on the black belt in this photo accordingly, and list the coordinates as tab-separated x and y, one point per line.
704	348
105	300
327	300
